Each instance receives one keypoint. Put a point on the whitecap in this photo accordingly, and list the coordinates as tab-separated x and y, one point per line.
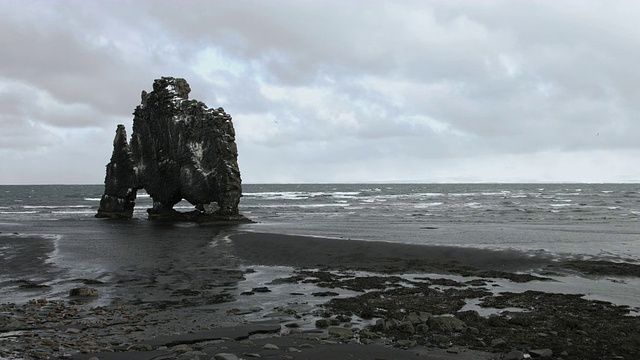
73	212
427	205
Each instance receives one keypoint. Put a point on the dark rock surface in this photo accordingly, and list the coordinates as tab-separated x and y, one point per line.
179	149
120	183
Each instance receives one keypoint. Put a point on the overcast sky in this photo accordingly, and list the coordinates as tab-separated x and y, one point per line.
334	91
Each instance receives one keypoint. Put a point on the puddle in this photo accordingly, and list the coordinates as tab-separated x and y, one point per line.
474	304
289	303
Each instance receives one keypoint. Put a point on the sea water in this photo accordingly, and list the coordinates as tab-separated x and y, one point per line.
566	220
580	219
55	224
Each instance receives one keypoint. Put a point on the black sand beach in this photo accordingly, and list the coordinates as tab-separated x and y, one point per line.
294	297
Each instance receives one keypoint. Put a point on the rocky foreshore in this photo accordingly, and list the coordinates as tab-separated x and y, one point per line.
330	309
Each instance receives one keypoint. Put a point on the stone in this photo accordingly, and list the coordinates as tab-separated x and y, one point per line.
140	347
514	355
406	327
366	334
340	332
441	340
323	323
473	330
541	352
193	354
262	289
391	324
83	292
225	356
446	324
72	331
270	346
422	329
498	342
405	344
179	149
413	318
181	348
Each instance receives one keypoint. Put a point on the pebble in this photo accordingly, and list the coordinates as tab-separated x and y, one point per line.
270	347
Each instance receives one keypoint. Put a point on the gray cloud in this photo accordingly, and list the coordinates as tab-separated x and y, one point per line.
334	90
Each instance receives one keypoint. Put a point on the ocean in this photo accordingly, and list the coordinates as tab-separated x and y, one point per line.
49	237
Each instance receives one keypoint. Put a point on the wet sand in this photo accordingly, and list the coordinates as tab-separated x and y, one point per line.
315	252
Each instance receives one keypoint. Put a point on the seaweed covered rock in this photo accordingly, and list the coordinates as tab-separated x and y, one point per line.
179	149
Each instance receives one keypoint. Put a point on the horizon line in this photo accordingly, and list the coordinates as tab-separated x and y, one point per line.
396	182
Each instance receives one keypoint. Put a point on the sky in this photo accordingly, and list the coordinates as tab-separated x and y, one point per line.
333	91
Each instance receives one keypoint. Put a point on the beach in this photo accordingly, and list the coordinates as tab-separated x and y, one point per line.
278	296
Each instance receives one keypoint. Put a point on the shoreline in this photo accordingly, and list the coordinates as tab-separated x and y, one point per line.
216	308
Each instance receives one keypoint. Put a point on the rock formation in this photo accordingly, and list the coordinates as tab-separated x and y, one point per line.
179	149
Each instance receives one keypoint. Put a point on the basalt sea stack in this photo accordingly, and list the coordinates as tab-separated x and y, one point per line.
179	149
